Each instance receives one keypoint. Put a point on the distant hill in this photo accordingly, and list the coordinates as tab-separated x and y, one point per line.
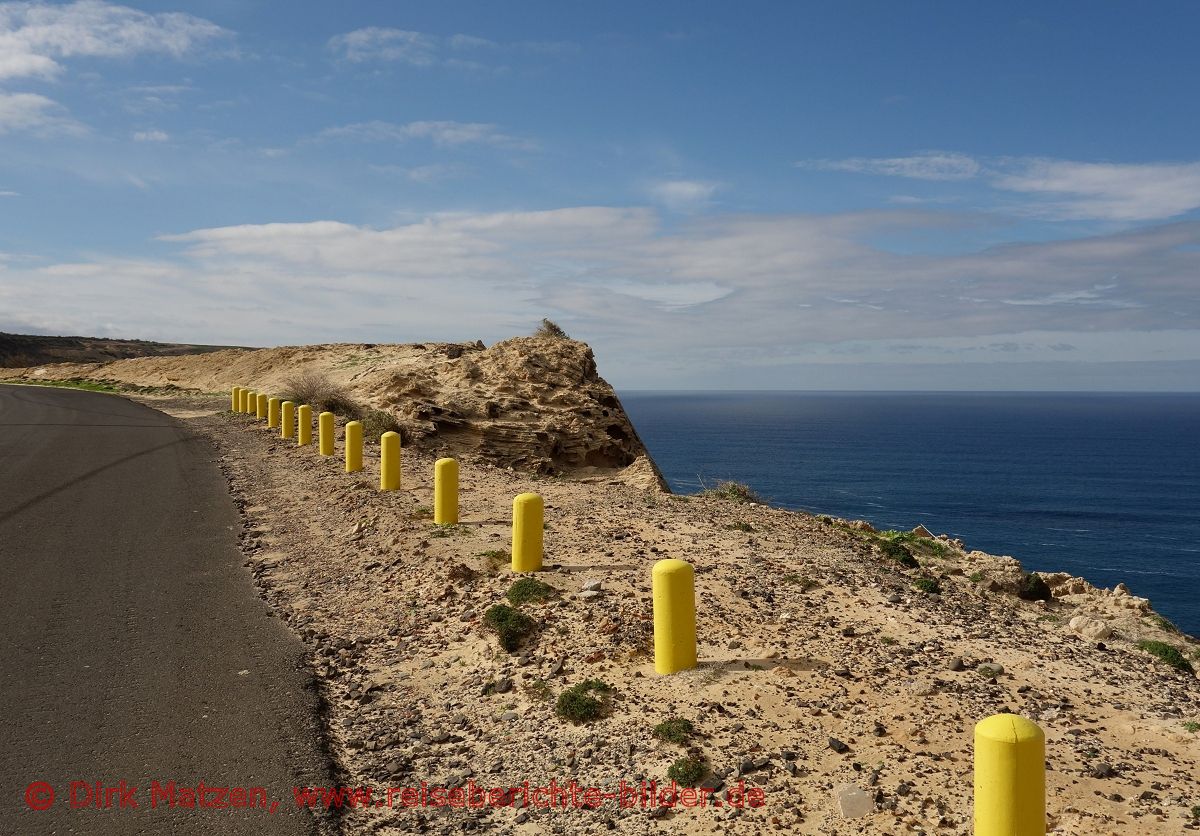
23	350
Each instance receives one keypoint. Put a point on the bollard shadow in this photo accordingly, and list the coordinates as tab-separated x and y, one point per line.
718	668
614	567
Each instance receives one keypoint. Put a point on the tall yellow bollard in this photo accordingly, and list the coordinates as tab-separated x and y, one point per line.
261	407
235	398
528	512
354	447
272	413
445	492
304	425
325	433
674	591
287	419
389	461
1010	777
245	401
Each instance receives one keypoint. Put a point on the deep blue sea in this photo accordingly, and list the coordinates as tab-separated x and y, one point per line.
1105	486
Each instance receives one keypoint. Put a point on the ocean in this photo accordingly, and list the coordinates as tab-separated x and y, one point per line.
1104	486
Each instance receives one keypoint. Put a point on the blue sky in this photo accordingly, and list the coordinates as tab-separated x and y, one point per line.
714	195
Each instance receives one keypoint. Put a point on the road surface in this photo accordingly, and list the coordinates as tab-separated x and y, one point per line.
132	644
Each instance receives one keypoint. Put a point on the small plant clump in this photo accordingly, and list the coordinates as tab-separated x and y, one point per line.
929	585
899	553
525	590
550	329
322	394
1033	588
510	626
733	491
675	730
1168	653
579	706
739	526
975	577
376	422
1163	623
1191	726
803	581
687	772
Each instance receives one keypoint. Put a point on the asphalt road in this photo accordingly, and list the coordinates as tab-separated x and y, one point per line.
132	644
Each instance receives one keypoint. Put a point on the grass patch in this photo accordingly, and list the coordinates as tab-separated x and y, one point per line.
732	491
803	581
69	383
449	530
687	772
538	690
510	626
1191	726
1163	623
739	526
975	577
915	541
1168	653
929	585
322	394
887	640
578	704
529	589
422	512
676	730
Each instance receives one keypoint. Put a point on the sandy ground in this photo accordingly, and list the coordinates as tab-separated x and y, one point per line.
810	641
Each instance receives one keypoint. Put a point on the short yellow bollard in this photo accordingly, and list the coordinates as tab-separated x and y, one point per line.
674	591
445	492
325	433
261	407
354	447
287	419
235	398
389	461
245	401
528	513
272	413
1010	777
304	425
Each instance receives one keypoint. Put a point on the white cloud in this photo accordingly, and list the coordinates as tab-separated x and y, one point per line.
150	136
438	132
683	195
1055	189
36	114
931	165
34	35
432	173
376	43
9	193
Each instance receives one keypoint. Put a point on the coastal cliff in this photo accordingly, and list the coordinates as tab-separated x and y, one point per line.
841	668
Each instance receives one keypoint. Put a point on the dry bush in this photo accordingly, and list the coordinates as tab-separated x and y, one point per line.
322	394
551	329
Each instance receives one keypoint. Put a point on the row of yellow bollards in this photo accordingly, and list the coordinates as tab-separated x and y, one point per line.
1010	780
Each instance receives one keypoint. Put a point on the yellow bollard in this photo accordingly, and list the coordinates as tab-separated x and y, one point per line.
1010	777
272	413
325	433
304	425
261	406
528	511
445	492
287	419
354	447
389	461
245	401
674	591
235	398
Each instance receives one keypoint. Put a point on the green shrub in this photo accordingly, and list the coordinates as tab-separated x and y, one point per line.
975	577
732	491
579	706
675	730
1163	623
687	772
376	422
1168	653
510	626
529	589
739	526
1033	588
897	552
929	585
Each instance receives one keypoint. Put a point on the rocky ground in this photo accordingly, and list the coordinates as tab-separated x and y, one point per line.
827	679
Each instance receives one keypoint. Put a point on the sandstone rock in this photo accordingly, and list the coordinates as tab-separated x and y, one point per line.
1089	628
922	531
853	802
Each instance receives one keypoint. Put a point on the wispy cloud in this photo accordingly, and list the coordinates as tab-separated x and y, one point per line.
444	133
420	49
683	195
150	136
30	112
1054	189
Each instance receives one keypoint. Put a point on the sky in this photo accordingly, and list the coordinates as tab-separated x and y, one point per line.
755	195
